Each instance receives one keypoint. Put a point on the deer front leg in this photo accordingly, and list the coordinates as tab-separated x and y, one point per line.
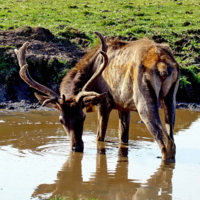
103	117
124	120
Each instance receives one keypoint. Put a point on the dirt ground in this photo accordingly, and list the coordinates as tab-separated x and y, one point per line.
42	42
47	57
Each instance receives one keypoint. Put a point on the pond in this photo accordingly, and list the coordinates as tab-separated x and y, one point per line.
36	162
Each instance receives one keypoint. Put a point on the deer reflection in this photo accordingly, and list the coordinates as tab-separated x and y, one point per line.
159	185
107	184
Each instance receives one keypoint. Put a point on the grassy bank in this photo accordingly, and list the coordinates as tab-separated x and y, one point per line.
176	22
113	17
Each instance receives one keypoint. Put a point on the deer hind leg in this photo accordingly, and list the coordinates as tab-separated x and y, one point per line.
146	103
124	120
169	106
169	111
165	142
103	117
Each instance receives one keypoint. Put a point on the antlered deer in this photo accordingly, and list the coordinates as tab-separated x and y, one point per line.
139	75
74	96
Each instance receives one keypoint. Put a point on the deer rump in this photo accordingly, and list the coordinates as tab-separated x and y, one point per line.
136	75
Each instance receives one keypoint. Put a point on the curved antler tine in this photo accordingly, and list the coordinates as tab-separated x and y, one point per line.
87	94
24	73
104	63
102	67
98	73
53	99
104	46
21	54
92	79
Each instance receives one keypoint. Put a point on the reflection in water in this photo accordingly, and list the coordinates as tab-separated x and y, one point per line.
159	185
35	142
105	184
30	130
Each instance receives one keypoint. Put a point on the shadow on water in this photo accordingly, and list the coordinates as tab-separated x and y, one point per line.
105	184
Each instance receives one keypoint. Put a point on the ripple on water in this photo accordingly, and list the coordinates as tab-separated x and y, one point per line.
56	149
59	148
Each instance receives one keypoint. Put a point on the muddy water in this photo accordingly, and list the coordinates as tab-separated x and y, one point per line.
36	162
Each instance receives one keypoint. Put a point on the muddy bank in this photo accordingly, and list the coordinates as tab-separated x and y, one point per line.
23	106
48	57
26	106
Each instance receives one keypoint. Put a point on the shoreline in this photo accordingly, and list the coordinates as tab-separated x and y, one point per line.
25	106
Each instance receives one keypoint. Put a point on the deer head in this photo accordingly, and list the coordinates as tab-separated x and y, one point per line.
71	109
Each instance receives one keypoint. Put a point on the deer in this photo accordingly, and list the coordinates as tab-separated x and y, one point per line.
139	75
70	104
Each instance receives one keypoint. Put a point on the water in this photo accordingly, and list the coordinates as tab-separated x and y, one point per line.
36	162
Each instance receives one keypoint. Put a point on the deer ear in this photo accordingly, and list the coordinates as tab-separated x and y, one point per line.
94	100
46	101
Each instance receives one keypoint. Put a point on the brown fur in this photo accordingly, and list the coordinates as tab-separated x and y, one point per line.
139	75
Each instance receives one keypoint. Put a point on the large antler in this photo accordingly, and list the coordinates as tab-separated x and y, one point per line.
86	87
24	73
99	72
104	46
51	95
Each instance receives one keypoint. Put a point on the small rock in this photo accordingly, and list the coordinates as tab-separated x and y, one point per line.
10	108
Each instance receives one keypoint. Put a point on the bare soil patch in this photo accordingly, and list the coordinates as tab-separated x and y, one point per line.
48	58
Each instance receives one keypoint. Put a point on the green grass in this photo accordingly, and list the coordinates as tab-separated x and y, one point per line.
174	21
113	17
